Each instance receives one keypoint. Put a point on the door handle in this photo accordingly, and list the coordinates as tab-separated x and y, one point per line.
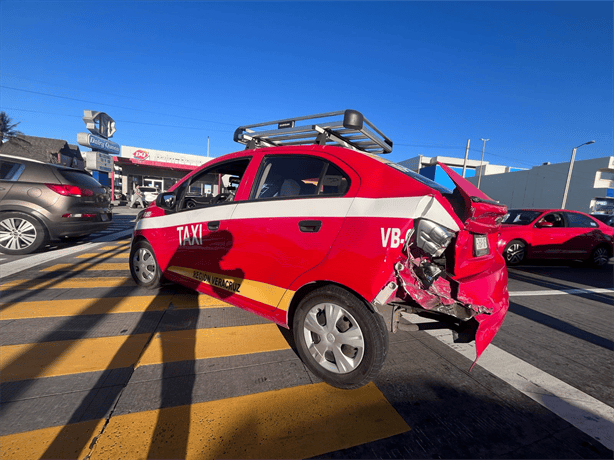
213	226
310	226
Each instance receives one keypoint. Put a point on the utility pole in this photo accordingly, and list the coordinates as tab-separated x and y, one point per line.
466	156
573	157
482	161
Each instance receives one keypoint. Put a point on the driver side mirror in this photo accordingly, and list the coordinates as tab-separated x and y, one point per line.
544	224
166	201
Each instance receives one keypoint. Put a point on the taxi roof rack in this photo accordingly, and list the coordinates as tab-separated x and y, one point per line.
352	131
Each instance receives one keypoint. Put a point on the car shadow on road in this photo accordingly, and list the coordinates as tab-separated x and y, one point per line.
561	326
580	291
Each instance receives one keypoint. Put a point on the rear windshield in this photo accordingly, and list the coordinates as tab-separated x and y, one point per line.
79	178
520	217
420	178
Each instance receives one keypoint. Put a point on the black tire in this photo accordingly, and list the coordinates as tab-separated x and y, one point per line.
21	234
515	252
599	257
340	360
144	267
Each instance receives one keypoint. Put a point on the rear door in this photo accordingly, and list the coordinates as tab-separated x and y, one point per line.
10	171
295	211
583	235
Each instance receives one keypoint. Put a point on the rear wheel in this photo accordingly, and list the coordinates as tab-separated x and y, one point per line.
515	252
21	233
144	267
599	257
338	338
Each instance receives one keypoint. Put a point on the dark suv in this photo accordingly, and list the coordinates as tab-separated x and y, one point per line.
41	202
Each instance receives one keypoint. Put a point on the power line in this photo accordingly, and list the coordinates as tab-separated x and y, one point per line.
112	105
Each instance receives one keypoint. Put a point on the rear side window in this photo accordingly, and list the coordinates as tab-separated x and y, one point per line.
81	179
299	176
579	220
10	170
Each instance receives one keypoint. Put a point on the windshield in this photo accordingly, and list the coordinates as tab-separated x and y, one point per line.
419	177
520	217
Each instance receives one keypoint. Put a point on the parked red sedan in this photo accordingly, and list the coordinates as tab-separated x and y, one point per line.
555	234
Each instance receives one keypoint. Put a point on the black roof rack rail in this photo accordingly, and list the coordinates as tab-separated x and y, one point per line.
348	128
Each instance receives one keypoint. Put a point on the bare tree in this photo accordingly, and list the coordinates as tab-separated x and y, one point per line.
7	127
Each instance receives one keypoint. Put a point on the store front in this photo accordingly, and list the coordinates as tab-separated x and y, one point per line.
152	168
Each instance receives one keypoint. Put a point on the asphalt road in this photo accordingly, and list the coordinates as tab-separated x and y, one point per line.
93	366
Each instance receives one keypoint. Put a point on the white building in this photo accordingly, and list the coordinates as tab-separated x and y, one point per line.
591	188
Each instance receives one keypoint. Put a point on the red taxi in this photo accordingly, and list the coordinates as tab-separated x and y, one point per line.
555	234
329	239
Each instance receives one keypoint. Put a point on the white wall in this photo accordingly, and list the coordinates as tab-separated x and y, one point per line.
543	186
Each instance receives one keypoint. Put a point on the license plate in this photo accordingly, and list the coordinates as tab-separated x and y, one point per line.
480	245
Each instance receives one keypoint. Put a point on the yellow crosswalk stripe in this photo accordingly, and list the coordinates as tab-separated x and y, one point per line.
296	422
94	255
106	305
213	343
74	441
101	266
48	359
71	283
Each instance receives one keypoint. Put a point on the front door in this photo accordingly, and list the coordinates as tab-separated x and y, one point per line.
287	226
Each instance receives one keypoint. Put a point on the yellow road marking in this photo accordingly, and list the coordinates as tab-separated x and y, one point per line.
87	267
47	359
74	441
72	283
106	305
213	343
91	255
111	248
297	422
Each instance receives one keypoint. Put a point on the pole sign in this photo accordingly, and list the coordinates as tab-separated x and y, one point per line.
102	127
98	143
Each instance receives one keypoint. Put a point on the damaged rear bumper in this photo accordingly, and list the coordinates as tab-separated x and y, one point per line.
473	307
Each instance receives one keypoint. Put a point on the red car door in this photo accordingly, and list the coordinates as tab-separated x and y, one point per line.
294	213
550	235
584	235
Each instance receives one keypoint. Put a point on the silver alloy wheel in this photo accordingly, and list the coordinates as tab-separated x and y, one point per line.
144	265
16	233
334	338
515	253
600	256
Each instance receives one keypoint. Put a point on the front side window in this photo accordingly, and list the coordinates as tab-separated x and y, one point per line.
579	220
299	176
215	185
554	218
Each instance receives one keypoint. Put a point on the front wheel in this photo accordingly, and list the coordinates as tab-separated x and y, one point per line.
144	267
339	338
515	252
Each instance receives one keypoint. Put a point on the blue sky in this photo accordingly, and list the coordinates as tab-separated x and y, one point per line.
536	78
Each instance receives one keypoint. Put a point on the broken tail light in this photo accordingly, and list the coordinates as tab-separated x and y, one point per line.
433	238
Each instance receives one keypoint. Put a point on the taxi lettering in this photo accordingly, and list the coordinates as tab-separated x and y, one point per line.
190	234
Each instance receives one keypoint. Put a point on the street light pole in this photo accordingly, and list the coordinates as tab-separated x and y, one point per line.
573	157
482	161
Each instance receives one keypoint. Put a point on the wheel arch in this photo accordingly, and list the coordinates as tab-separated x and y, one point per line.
312	286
